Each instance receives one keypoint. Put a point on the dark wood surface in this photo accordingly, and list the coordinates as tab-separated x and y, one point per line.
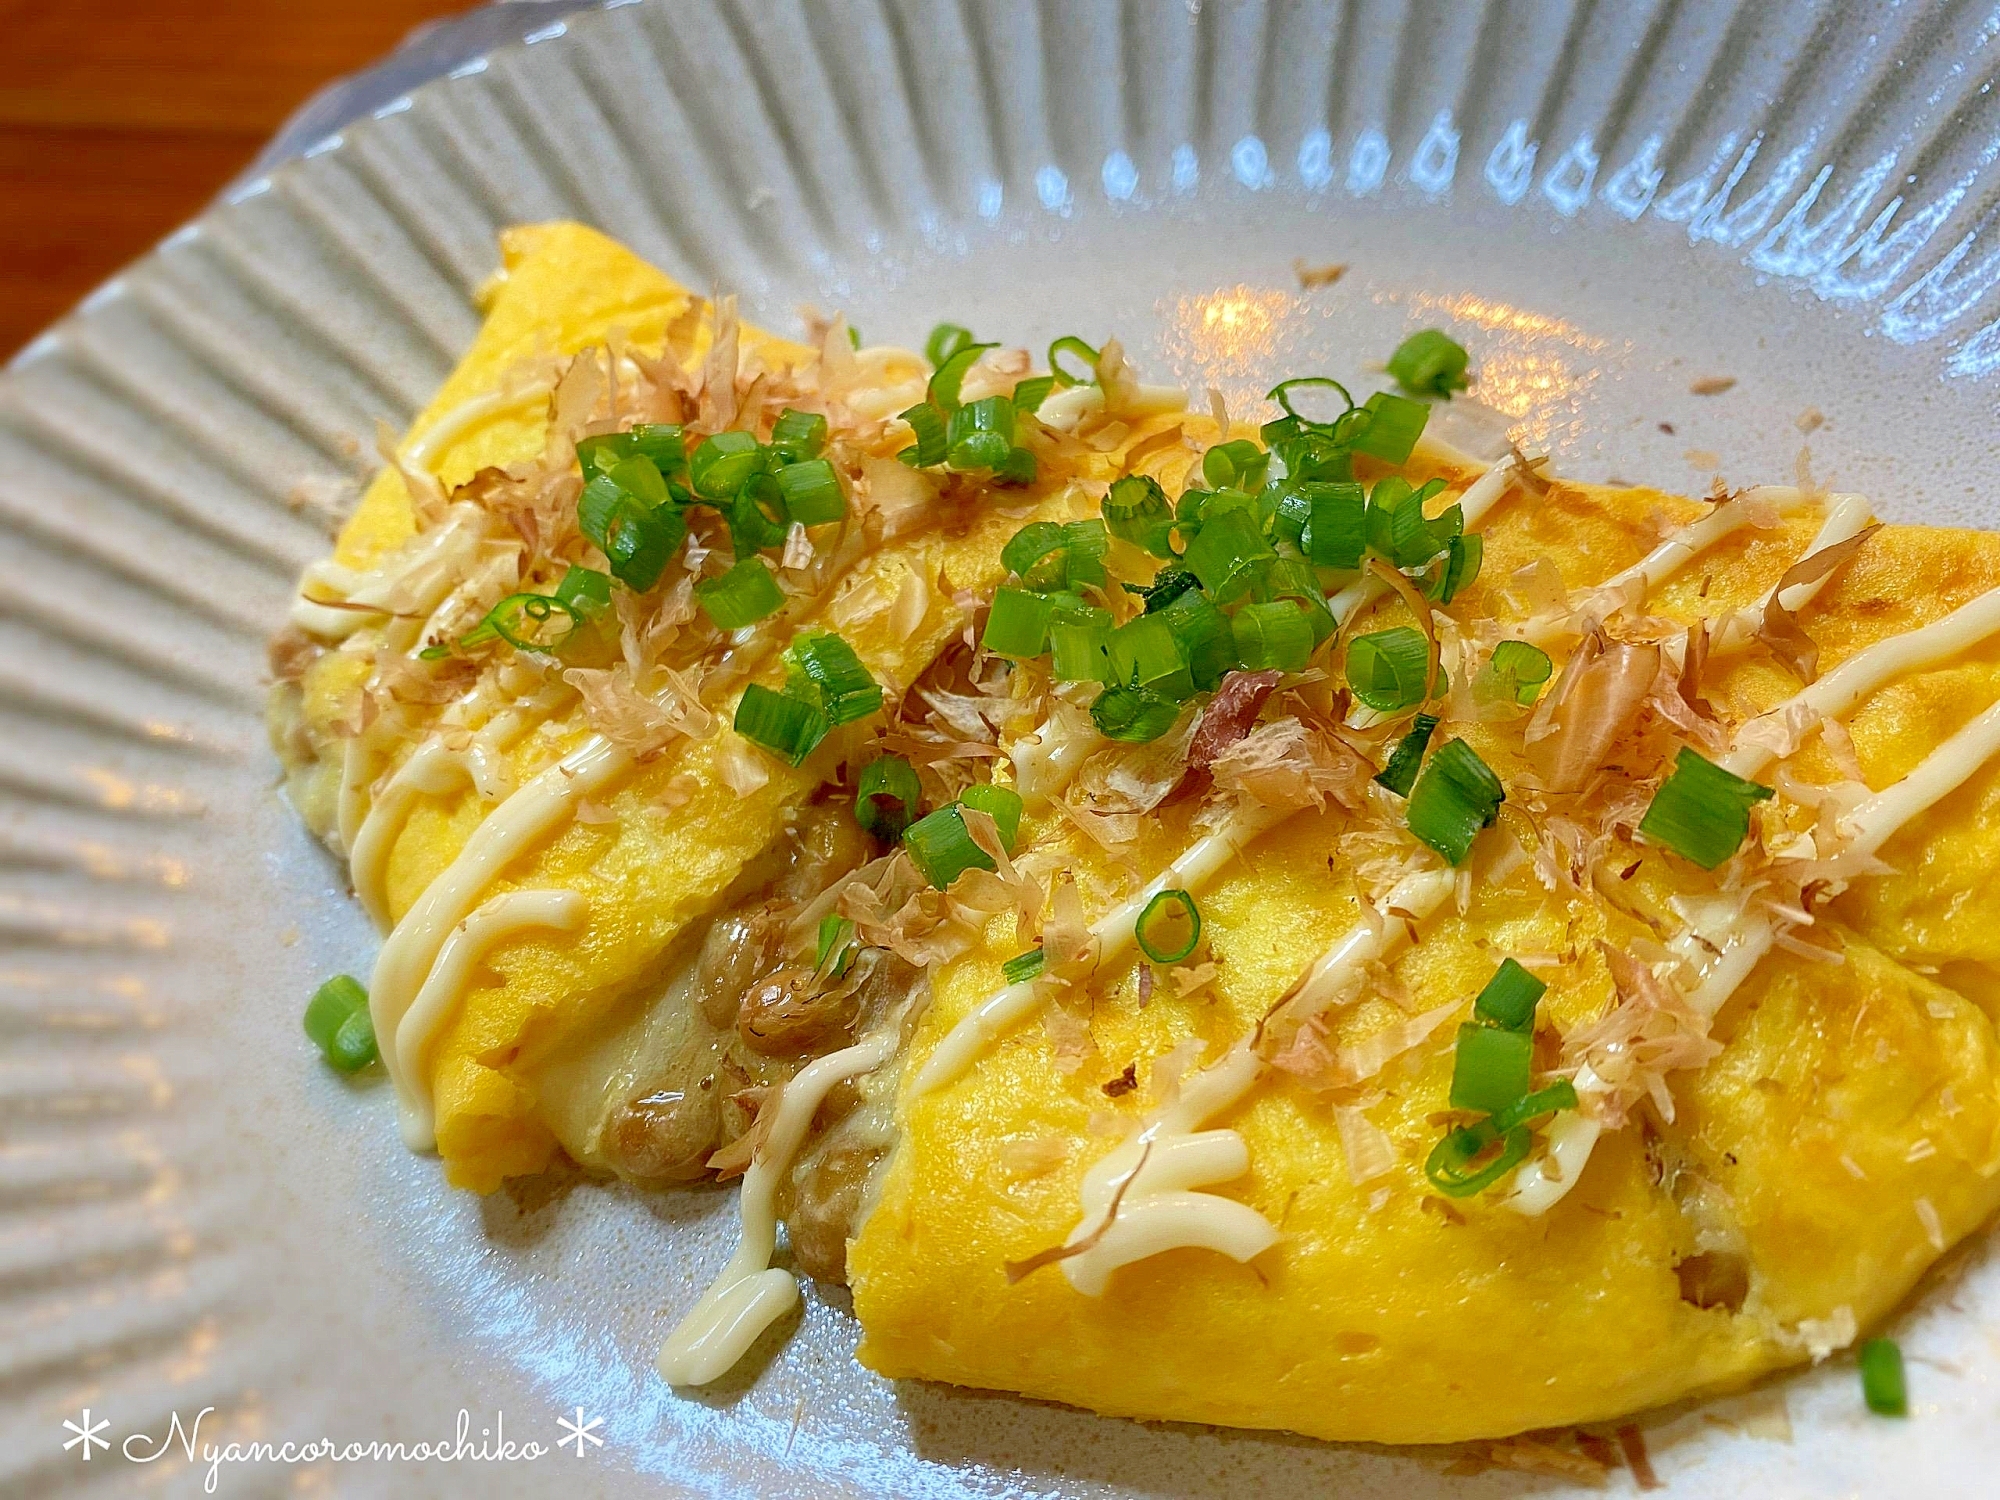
119	119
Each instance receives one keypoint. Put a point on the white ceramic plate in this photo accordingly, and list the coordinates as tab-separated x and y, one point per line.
1605	201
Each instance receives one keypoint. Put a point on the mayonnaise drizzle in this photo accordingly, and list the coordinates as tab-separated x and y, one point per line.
750	1294
1846	517
1151	1176
1749	936
1198	864
469	942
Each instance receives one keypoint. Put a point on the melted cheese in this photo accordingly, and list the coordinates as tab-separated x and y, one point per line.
750	1295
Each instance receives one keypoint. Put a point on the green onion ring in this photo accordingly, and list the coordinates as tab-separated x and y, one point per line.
1164	899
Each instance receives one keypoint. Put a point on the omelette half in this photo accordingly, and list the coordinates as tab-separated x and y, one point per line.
1276	924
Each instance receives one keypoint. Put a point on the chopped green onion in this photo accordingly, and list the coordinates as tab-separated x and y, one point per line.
1018	467
786	726
1031	393
1023	966
757	516
1237	465
1457	568
1146	654
1400	774
1169	929
1137	510
835	951
946	340
664	443
638	540
1491	1068
720	466
639	477
1701	811
1458	1165
887	796
1001	804
1455	797
527	622
1396	526
827	673
980	434
927	422
1396	424
338	1022
1386	668
1513	675
1207	639
1133	715
1277	635
942	849
1071	344
950	376
1018	623
1282	394
1430	363
1030	545
1508	1001
1882	1385
1168	585
1335	530
1057	555
853	337
1557	1096
799	435
1225	552
1079	652
584	591
742	596
810	492
1296	581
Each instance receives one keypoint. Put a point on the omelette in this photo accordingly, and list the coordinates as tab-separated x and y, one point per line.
1279	924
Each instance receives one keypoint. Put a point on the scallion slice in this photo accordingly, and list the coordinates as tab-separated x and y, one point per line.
1282	394
946	340
1001	804
744	595
1017	625
1225	552
810	492
1509	999
950	376
1237	465
1206	638
1457	568
527	622
927	422
1400	774
1514	675
834	952
1335	531
1295	580
1491	1068
1455	797
1076	348
827	672
980	434
786	726
1023	966
719	467
1277	634
799	435
757	516
338	1022
584	591
1557	1096
1386	668
1430	363
1701	811
1168	585
1146	654
639	477
886	796
1882	1383
1459	1165
1031	393
1017	468
638	540
1396	424
1137	510
1169	928
1133	716
1079	652
942	848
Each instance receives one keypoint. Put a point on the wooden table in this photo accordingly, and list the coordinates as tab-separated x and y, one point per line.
121	118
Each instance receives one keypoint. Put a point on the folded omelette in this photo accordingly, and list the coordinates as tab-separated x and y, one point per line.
1279	924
